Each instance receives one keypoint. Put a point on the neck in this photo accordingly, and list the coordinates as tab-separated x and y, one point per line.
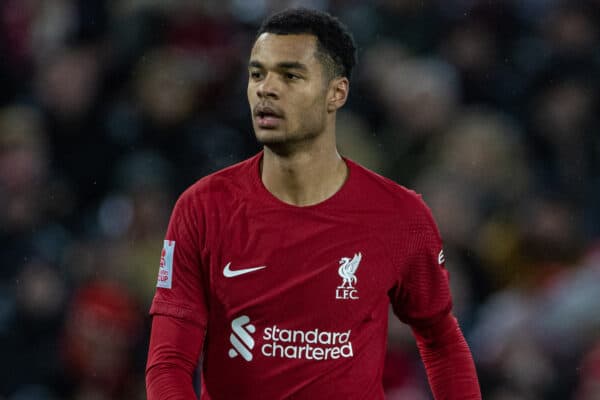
304	176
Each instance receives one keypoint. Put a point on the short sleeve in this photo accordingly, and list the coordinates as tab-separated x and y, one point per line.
422	295
181	285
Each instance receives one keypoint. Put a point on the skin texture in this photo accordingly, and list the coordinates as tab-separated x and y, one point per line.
301	165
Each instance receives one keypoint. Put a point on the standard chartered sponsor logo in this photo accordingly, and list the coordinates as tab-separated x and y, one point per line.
240	338
313	344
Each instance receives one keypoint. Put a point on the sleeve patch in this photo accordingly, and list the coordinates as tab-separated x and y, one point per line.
165	273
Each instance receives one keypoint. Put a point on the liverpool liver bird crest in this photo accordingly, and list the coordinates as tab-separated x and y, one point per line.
348	269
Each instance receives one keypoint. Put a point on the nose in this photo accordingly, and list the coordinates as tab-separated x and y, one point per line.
267	88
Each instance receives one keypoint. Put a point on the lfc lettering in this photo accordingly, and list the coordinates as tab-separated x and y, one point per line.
346	293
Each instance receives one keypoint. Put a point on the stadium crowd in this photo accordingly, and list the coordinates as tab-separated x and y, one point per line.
110	109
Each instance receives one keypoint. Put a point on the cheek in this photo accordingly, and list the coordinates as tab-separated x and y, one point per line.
312	118
249	92
318	109
313	105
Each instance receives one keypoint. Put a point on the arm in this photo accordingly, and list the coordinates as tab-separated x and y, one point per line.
179	308
423	300
448	362
175	347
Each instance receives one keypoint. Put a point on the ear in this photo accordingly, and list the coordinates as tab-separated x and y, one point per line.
337	93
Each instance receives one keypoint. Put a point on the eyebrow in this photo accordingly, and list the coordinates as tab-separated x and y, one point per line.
281	65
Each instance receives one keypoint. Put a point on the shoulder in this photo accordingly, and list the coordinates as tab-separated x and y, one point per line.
220	186
387	193
230	179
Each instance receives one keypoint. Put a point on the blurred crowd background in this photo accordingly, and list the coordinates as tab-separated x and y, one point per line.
110	109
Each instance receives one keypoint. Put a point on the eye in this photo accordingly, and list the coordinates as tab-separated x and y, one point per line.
255	74
291	76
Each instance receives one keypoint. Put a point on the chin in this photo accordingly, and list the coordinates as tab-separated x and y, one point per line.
270	136
276	138
276	142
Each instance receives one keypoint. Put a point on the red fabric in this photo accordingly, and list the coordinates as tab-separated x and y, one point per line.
305	324
447	358
175	346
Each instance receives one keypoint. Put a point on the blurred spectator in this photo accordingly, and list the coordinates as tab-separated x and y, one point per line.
589	385
417	99
68	84
68	89
570	28
101	331
563	121
23	167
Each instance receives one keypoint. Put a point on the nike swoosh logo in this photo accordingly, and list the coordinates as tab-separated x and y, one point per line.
229	273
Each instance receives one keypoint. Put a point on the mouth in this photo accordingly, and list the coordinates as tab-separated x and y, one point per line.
267	118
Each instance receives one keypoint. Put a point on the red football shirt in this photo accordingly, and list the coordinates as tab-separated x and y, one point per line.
294	299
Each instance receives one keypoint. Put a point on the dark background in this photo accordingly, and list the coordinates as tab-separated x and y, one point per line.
110	109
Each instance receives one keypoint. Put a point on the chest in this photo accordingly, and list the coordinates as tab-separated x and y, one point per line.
320	268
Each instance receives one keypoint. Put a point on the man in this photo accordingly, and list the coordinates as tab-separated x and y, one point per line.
280	269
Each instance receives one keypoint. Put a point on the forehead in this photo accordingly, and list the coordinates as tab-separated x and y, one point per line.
273	48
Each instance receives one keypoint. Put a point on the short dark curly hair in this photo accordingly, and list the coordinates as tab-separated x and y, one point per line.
335	46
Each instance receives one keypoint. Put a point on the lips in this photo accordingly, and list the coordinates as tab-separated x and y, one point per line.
267	117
